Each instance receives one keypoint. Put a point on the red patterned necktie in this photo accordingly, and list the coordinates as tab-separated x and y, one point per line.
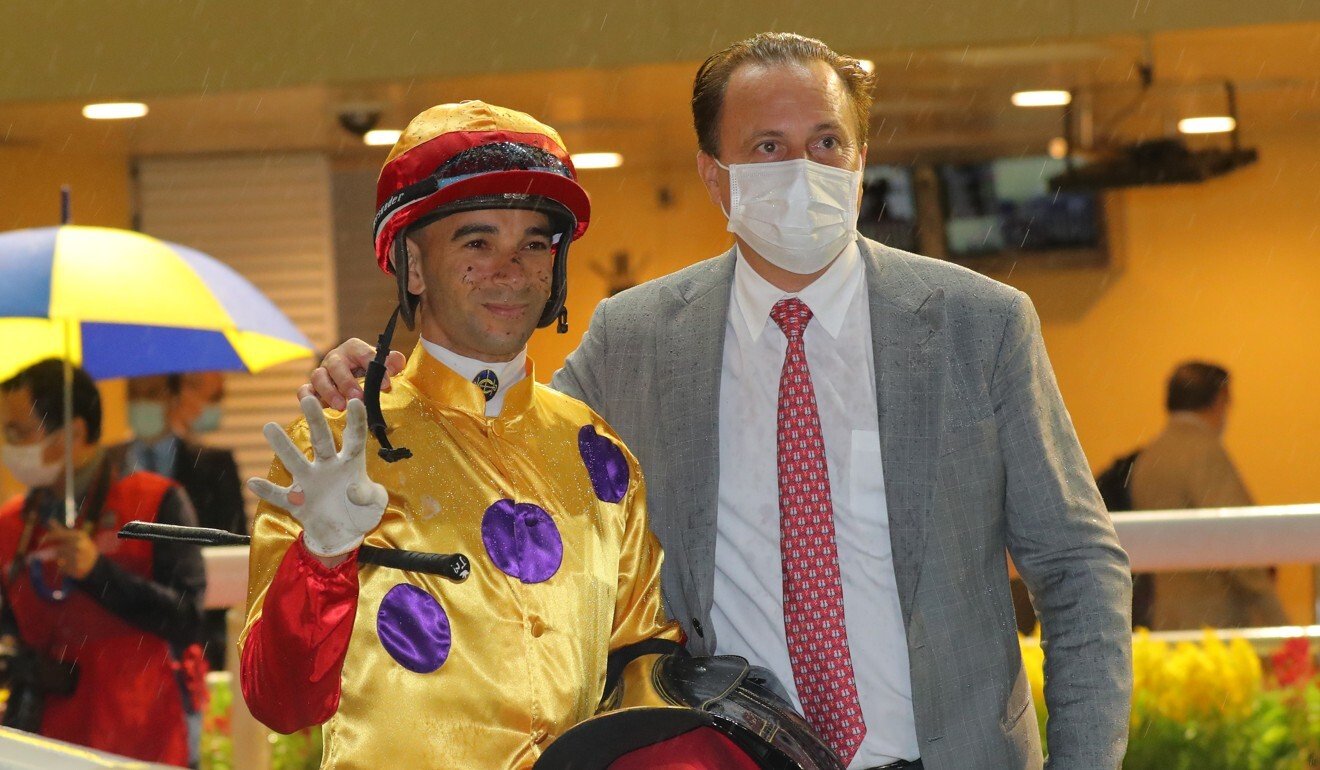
813	588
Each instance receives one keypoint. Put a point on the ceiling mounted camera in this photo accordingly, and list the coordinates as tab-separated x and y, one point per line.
358	119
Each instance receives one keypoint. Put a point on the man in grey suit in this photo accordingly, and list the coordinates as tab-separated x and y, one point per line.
840	442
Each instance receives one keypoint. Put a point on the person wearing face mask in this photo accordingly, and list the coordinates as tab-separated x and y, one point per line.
107	629
842	439
1187	466
167	414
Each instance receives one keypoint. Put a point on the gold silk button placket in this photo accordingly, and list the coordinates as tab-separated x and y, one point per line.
494	432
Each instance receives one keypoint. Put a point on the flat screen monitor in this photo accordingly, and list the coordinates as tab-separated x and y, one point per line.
1007	207
888	211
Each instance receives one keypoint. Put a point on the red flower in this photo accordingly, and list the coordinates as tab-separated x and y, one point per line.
1293	662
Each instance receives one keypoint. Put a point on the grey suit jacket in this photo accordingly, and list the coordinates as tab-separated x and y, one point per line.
980	455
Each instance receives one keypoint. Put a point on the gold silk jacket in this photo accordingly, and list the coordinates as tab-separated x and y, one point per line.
550	509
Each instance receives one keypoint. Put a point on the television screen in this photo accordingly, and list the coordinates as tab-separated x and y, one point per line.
888	212
1007	206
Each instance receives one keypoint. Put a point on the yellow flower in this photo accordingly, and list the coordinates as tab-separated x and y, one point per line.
1033	662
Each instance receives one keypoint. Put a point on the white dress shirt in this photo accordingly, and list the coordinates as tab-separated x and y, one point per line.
507	372
749	609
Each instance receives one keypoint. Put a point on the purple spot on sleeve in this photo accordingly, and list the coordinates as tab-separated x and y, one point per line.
522	540
606	465
413	628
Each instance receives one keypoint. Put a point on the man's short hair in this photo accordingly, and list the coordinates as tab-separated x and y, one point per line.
772	48
44	383
1194	386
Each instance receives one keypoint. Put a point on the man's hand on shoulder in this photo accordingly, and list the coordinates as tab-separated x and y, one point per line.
335	381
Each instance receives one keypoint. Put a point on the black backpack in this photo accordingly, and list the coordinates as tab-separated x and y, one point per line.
1113	485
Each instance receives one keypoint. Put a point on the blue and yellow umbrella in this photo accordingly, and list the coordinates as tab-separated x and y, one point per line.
122	304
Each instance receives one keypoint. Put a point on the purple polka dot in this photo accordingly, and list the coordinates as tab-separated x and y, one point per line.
413	628
606	465
522	540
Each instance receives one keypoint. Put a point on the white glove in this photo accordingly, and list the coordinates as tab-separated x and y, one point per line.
337	503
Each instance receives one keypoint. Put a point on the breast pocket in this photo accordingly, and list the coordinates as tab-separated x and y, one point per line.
866	472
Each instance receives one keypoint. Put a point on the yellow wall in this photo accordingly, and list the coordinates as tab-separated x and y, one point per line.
30	180
627	215
1227	271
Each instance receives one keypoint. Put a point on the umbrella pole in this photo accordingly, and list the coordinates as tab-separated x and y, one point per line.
70	511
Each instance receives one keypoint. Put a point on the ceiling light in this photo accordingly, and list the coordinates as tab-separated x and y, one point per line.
867	65
1207	124
585	160
114	111
381	137
1041	98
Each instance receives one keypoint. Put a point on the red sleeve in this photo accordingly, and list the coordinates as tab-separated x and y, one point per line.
294	653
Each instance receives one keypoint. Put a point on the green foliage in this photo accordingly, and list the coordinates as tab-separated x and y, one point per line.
1281	732
299	751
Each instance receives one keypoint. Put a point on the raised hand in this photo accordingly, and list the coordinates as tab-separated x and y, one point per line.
335	381
331	495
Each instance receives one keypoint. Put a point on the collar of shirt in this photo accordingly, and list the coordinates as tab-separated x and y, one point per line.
828	296
162	450
509	374
1190	418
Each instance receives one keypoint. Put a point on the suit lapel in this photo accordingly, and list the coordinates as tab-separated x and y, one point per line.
906	332
690	358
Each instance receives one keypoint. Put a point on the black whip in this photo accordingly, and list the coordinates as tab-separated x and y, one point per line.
453	566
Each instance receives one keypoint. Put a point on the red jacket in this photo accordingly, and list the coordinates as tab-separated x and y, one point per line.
120	626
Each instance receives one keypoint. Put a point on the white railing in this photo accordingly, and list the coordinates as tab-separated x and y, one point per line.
1265	640
1220	538
226	575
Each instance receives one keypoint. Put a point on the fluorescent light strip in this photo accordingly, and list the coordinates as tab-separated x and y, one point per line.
1207	124
114	111
381	137
591	160
1041	98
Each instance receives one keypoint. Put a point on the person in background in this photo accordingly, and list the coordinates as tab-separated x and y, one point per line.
105	631
1187	466
166	414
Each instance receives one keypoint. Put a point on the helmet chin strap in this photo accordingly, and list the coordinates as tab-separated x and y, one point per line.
371	394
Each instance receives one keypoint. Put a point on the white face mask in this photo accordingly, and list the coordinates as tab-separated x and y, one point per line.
26	465
146	418
798	214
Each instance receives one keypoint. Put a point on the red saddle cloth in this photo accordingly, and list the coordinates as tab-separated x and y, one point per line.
700	749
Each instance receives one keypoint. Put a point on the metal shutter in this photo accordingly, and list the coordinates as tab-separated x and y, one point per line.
268	217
